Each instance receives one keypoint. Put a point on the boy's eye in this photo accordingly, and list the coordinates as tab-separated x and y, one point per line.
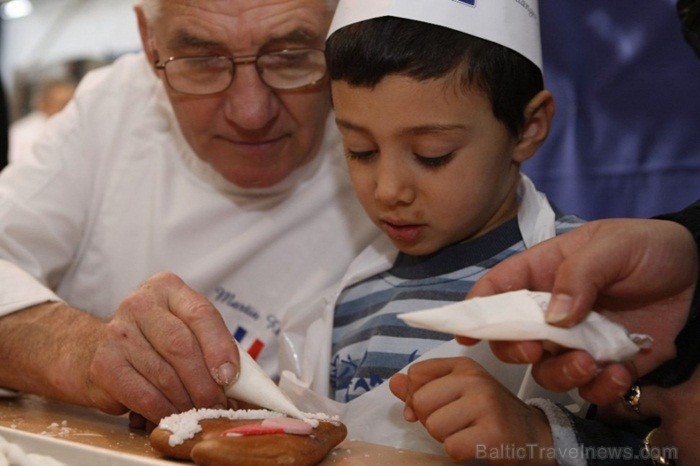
433	162
359	155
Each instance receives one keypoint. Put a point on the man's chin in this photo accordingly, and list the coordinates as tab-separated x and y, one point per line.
251	179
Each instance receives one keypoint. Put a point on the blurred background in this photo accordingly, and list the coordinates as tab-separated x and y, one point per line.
51	39
626	136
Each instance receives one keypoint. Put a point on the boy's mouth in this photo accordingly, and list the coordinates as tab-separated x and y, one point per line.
403	233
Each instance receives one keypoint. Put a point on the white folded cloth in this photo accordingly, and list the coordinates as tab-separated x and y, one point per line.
519	315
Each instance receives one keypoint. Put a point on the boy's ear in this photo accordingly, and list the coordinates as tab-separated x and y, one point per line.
538	120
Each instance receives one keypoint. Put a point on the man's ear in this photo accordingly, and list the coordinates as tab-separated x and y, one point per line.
146	36
538	120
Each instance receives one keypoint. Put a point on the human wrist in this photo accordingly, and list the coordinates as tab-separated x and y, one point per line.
690	219
564	442
687	342
544	439
75	344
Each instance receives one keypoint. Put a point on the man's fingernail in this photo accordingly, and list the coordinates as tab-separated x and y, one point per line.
584	371
558	309
622	385
225	374
517	354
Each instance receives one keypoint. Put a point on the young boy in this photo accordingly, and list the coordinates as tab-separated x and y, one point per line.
435	125
435	122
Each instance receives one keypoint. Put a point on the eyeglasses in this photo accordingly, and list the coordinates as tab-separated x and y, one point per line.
281	70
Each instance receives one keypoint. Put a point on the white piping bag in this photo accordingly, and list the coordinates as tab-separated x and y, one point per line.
519	315
256	387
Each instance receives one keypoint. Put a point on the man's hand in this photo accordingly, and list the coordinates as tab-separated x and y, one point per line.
166	350
677	407
640	273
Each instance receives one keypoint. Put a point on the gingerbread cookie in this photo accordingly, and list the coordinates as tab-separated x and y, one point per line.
246	438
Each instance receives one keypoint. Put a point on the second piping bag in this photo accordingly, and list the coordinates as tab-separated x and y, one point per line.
519	315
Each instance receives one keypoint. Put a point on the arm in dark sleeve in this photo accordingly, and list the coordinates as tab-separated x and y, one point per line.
604	445
578	441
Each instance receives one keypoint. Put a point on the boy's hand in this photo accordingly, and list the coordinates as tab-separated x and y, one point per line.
470	412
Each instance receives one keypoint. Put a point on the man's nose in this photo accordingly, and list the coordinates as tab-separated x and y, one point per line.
250	103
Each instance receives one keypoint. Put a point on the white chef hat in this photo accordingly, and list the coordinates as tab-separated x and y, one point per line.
512	23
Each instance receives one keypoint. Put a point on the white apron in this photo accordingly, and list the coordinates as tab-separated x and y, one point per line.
377	416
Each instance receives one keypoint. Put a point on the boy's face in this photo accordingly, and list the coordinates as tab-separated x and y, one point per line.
430	163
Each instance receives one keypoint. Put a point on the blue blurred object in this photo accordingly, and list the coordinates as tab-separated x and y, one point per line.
626	136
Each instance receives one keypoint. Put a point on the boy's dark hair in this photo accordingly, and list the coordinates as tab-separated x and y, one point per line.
362	54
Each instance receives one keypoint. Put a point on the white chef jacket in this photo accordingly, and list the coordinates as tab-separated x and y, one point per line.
113	194
23	133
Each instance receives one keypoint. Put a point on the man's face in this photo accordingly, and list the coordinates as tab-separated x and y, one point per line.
251	134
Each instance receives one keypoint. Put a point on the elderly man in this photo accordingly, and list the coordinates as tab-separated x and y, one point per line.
186	194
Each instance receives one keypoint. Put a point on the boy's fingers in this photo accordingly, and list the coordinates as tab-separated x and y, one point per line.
398	384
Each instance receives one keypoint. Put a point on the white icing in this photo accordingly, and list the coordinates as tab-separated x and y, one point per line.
185	426
12	454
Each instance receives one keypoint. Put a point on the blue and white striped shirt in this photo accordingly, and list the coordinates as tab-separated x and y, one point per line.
370	344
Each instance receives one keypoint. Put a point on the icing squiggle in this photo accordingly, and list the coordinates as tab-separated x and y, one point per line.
185	426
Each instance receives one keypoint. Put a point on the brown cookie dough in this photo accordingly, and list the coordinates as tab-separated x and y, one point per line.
210	448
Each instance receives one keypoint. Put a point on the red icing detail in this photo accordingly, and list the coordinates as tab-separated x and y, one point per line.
252	429
290	425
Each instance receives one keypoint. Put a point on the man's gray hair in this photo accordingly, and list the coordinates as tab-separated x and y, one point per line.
151	8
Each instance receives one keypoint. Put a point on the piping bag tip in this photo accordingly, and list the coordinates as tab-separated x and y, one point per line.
256	387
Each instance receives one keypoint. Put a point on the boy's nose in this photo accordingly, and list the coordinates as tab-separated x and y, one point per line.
393	183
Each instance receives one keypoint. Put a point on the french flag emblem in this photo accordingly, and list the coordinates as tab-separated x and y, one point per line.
254	347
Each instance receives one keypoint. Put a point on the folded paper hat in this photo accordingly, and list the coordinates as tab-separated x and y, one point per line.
512	23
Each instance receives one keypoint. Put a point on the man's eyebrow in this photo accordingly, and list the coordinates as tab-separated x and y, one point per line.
183	39
301	35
